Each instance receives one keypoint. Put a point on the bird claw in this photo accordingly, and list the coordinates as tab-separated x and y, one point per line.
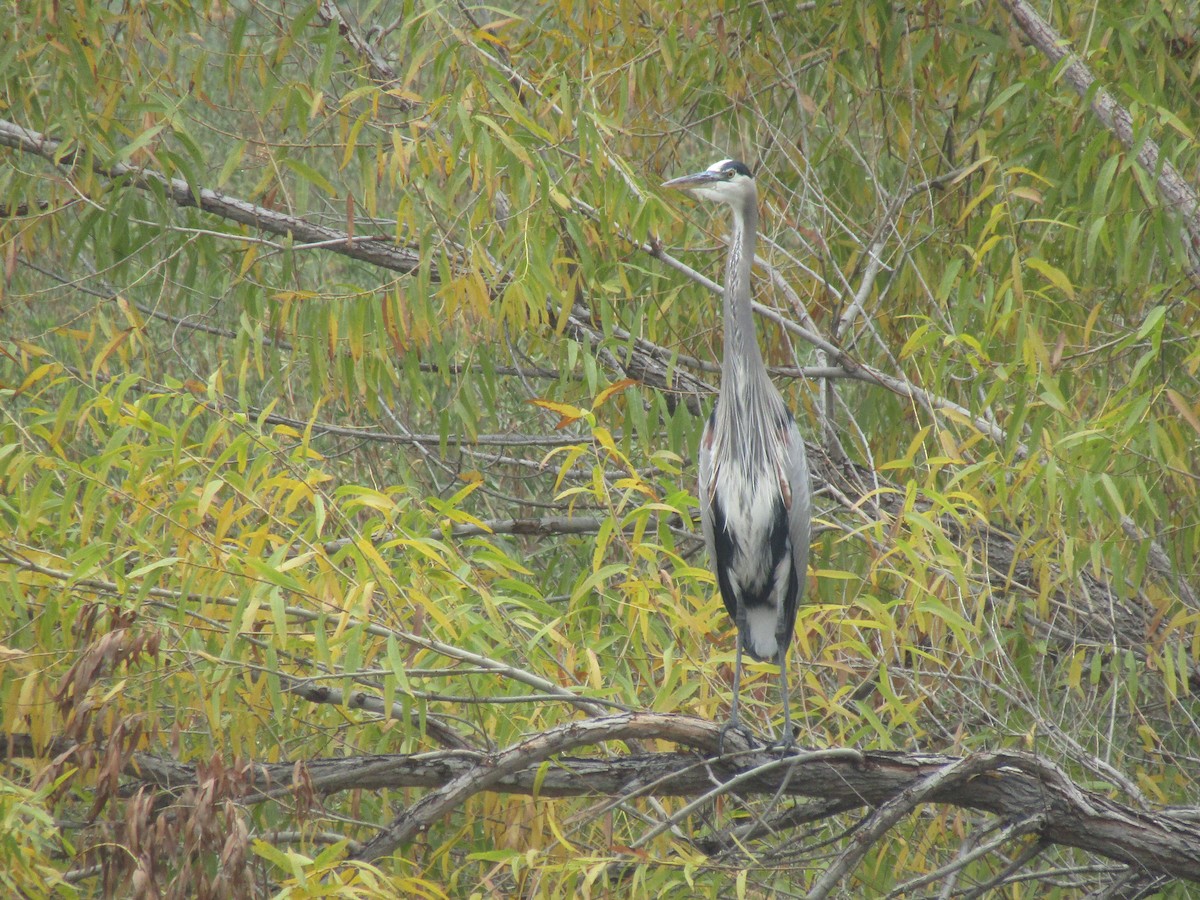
735	725
786	742
786	745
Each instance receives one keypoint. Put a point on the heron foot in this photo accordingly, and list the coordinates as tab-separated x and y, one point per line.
735	725
786	745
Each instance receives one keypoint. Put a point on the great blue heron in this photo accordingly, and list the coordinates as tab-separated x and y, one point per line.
755	495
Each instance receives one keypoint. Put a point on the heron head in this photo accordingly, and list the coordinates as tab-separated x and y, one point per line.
728	181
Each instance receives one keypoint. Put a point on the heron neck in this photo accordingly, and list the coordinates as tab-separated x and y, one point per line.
743	360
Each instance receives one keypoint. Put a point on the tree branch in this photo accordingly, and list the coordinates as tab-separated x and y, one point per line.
1175	191
1017	787
379	250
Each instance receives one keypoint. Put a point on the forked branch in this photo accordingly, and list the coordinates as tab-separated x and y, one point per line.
1016	787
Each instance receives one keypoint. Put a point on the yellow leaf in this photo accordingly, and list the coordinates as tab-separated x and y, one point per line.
559	835
949	447
35	376
129	312
402	94
115	691
612	389
248	259
1184	409
568	412
604	438
507	140
1054	275
986	191
1027	193
1075	671
560	199
109	349
972	169
594	677
1149	737
9	655
500	23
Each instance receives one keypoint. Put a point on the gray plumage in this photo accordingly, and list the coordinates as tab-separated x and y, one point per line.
755	494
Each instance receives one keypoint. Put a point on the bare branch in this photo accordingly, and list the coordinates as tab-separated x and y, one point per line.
380	69
529	754
1176	192
844	362
379	250
479	440
896	808
323	693
970	853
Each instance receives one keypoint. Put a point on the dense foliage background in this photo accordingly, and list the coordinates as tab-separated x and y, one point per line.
396	389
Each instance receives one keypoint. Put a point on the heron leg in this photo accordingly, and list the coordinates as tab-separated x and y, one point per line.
735	722
788	738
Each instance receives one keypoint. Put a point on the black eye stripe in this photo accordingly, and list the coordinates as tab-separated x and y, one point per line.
732	167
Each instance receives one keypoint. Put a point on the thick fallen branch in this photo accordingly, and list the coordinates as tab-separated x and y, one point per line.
1017	787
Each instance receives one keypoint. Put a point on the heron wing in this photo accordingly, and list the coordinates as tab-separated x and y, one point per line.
711	514
705	491
796	486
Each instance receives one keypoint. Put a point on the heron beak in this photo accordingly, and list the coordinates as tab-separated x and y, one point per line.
688	182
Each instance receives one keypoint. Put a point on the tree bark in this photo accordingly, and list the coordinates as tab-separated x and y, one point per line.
1011	785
